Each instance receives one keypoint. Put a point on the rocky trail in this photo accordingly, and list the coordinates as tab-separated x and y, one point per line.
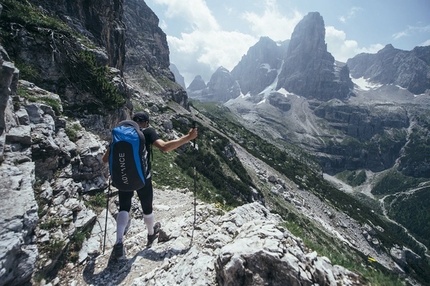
173	209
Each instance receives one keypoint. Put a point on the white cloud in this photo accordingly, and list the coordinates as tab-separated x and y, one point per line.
202	52
343	49
272	23
411	30
399	35
196	12
351	14
426	43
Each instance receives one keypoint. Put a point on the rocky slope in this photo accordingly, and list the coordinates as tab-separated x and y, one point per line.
245	246
49	216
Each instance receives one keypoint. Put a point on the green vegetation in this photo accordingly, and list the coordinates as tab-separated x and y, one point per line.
147	82
72	131
352	178
54	248
416	161
30	16
33	96
166	82
296	167
340	254
394	182
30	73
96	201
412	210
51	224
95	79
75	245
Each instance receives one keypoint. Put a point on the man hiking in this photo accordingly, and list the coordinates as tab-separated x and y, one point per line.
146	193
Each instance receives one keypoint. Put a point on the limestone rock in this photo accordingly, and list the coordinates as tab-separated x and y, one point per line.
308	65
388	66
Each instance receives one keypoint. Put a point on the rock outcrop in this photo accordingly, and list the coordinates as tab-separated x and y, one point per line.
221	87
197	84
147	44
178	77
18	250
40	161
309	70
246	246
147	53
408	69
259	67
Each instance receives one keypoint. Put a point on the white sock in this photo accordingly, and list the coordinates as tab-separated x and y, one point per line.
149	221
121	224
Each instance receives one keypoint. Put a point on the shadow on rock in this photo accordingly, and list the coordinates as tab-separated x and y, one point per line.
114	273
117	270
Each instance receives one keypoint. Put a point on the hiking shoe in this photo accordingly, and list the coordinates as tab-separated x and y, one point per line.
151	238
119	251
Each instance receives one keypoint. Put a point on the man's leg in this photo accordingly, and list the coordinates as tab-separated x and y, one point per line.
121	222
146	195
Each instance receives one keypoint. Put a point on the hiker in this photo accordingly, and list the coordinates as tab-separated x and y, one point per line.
146	193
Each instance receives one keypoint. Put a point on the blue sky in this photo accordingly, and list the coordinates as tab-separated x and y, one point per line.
204	35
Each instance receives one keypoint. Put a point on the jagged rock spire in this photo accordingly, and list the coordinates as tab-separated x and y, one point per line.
309	70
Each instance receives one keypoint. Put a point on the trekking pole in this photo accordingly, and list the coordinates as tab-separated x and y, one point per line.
107	209
195	184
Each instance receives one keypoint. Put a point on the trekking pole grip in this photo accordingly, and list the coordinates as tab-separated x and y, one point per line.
194	126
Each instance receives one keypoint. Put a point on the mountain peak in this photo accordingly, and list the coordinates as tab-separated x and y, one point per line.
308	65
308	35
197	84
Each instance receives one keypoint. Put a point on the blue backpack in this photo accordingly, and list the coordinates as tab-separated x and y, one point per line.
128	163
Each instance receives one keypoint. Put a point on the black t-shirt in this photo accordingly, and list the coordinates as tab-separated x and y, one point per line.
150	137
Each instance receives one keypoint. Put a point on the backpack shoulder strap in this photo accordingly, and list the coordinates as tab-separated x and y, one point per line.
130	123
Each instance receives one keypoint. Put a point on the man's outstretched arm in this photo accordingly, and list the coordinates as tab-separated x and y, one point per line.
167	146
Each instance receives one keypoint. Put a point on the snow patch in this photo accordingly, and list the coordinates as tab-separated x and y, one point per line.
284	92
244	95
364	84
261	102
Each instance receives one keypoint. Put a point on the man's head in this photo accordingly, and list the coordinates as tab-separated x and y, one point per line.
141	117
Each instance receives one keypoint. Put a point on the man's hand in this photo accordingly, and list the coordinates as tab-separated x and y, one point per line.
192	134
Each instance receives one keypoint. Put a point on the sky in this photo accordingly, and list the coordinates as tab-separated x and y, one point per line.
204	35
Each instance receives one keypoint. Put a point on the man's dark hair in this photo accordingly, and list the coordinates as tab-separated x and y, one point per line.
141	117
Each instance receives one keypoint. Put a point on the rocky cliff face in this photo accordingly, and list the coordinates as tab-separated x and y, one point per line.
408	69
221	87
259	67
101	22
309	70
151	54
178	77
65	51
147	54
